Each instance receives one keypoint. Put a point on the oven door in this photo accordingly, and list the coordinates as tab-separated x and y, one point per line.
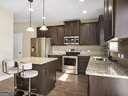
70	64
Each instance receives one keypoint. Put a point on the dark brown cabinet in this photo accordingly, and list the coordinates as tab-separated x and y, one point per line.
72	28
59	62
101	30
89	34
121	27
109	19
56	33
104	86
82	64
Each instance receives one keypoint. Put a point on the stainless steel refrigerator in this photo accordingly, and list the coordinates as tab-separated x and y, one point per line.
40	47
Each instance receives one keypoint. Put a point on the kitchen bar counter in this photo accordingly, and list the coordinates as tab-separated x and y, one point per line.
106	69
35	60
45	81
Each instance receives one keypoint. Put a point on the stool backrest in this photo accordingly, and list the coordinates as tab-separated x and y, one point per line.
6	64
25	66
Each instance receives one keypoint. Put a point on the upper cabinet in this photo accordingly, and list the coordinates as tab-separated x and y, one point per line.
89	34
109	19
56	33
72	28
121	27
115	19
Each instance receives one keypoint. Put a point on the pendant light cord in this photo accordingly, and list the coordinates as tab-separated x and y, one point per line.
30	15
43	12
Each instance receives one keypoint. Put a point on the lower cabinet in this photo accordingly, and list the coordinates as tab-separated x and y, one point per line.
82	64
105	86
59	62
44	82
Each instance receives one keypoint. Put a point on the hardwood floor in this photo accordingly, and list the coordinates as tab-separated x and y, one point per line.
70	85
66	85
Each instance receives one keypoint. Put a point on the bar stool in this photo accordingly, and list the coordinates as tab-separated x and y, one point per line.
13	69
29	74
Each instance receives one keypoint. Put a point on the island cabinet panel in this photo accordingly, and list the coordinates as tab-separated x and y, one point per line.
59	62
44	82
82	64
46	79
105	86
89	34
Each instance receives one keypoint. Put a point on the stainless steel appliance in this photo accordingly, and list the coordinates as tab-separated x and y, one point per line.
71	40
40	47
70	64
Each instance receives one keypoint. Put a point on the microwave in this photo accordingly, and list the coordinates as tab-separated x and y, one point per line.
71	40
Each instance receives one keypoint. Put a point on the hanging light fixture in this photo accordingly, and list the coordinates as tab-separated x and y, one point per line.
43	27
30	28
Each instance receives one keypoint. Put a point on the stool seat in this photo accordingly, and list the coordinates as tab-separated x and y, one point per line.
13	70
29	74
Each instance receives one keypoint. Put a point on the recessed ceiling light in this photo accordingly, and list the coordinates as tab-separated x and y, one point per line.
82	0
43	18
84	12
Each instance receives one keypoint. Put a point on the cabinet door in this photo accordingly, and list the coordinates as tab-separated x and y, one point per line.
121	27
75	28
56	35
109	21
60	35
53	35
72	28
67	27
82	64
89	34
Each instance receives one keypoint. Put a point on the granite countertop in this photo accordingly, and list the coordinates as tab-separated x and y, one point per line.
36	60
106	69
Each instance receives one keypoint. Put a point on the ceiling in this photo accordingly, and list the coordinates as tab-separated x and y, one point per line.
55	10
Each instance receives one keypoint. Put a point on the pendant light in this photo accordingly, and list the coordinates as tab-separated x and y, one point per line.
43	27
30	28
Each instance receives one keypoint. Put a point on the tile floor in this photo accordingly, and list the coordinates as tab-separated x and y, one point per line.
70	85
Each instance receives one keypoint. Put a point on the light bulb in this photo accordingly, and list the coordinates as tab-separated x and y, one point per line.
30	29
44	28
43	18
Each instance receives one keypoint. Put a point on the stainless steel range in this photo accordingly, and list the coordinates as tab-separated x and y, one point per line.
70	64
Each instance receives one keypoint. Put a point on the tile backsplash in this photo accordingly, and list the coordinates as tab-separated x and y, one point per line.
121	53
84	50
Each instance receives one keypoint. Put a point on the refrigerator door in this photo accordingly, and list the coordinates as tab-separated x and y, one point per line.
35	47
40	47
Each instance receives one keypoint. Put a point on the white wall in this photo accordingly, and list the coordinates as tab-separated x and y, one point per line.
6	34
21	27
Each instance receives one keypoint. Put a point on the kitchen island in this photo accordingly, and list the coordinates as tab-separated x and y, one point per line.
107	78
45	81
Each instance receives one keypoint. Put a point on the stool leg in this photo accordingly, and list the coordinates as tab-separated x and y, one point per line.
29	92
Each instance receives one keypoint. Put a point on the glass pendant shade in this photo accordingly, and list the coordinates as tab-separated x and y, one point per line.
43	28
30	29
